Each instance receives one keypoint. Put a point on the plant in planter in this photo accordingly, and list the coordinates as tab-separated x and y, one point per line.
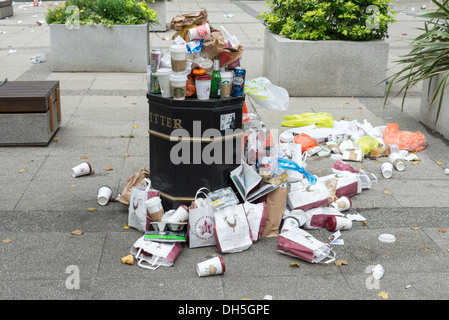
329	20
100	35
335	46
428	60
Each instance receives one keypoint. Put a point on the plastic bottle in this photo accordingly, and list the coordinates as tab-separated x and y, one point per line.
215	86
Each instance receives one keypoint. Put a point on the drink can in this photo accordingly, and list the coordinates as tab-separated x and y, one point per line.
238	82
154	83
156	57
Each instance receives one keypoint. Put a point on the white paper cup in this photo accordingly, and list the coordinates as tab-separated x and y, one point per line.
226	84
334	223
178	83
104	194
286	137
211	267
155	209
180	215
342	204
387	170
163	75
397	161
178	57
289	224
82	169
200	32
202	84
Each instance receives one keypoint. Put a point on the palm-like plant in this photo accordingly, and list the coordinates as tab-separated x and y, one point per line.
428	58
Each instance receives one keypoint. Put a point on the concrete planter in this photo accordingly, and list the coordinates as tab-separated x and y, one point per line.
326	68
6	9
428	117
160	8
122	48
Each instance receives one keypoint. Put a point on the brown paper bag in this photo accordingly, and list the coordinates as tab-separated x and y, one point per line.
187	19
276	204
136	181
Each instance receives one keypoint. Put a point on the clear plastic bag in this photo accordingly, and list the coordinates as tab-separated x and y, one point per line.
266	94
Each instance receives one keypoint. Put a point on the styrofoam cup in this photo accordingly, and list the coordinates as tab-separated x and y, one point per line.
387	170
200	32
211	267
104	194
178	83
82	169
163	75
180	215
202	84
178	57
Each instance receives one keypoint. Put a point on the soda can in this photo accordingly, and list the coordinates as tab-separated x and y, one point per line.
154	83
156	57
238	82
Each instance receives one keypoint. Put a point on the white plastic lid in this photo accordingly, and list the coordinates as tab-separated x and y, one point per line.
153	201
227	75
164	71
386	237
178	48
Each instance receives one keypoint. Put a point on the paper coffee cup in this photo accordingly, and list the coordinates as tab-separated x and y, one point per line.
202	84
82	169
163	75
104	194
180	215
342	204
397	161
226	84
155	209
178	57
211	267
199	32
178	83
387	170
289	224
334	223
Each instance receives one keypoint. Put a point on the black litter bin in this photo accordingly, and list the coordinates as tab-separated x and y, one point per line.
193	144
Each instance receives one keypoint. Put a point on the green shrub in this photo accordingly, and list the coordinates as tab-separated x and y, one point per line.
101	12
329	20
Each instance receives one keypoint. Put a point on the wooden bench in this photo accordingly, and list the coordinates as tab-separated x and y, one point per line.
34	104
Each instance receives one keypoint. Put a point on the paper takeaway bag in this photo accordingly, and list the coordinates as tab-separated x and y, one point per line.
188	19
276	203
136	181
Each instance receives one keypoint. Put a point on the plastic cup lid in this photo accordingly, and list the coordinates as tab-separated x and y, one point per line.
226	74
385	237
164	71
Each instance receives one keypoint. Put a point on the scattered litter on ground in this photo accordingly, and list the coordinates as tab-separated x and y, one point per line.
386	237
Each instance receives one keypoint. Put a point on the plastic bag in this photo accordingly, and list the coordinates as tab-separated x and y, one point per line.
190	86
368	144
266	94
320	119
305	141
405	140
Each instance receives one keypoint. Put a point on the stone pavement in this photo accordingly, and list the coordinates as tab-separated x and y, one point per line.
105	117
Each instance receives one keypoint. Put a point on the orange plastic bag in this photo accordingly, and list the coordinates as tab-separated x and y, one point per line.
305	141
190	86
405	140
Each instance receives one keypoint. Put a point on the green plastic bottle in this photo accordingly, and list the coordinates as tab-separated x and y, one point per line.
215	85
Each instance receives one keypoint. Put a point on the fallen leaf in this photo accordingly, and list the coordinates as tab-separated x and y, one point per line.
383	294
127	155
341	262
294	265
344	118
77	232
84	157
442	230
92	209
55	139
108	169
412	94
388	191
415	228
364	223
439	162
415	163
135	127
126	227
426	250
22	170
6	240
